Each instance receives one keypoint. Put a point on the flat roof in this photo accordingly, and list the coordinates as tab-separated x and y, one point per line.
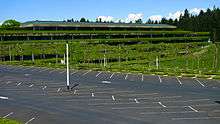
92	24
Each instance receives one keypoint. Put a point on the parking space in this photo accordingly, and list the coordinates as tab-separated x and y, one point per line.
104	96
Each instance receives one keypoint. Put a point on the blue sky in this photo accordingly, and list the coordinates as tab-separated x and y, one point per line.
26	10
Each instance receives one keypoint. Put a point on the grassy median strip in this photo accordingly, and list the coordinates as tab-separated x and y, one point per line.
8	121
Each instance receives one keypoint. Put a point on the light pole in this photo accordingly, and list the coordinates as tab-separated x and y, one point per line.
67	67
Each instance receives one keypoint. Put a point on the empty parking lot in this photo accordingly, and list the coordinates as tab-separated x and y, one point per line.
38	95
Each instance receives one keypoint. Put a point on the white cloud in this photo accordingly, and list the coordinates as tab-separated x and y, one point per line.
105	18
175	15
134	16
131	17
196	11
155	17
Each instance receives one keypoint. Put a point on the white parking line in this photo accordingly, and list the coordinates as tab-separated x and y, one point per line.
113	98
93	95
24	69
160	79
62	72
8	115
193	100
179	81
19	84
44	87
142	78
198	118
200	82
51	71
58	90
98	74
193	109
106	82
27	74
112	75
159	107
87	72
46	69
126	76
74	92
8	82
74	72
29	121
35	69
181	112
136	101
31	85
162	104
3	97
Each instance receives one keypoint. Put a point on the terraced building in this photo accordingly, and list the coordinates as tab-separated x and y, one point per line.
60	30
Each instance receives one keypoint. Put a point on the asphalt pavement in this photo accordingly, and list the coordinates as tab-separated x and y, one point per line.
35	95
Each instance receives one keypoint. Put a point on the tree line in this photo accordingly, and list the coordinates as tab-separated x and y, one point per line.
205	21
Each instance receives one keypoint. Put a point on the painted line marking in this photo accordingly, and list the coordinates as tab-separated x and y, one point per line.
29	121
19	84
62	72
51	71
193	100
87	72
31	85
113	98
45	69
179	81
160	79
200	82
44	87
159	107
35	69
181	112
27	74
112	75
93	95
136	101
8	82
162	104
98	74
74	72
74	92
8	115
199	118
142	78
126	76
193	109
106	82
58	90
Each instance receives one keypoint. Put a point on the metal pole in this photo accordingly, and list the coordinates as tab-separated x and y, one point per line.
32	57
157	63
64	58
67	67
10	53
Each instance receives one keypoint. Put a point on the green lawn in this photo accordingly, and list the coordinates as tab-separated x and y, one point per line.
174	58
8	121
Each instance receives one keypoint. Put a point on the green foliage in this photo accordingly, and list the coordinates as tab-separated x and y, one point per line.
10	24
174	58
8	121
82	20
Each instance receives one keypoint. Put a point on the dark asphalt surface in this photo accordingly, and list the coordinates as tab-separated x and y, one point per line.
39	96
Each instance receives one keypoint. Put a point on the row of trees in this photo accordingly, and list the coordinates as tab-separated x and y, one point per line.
10	24
204	21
